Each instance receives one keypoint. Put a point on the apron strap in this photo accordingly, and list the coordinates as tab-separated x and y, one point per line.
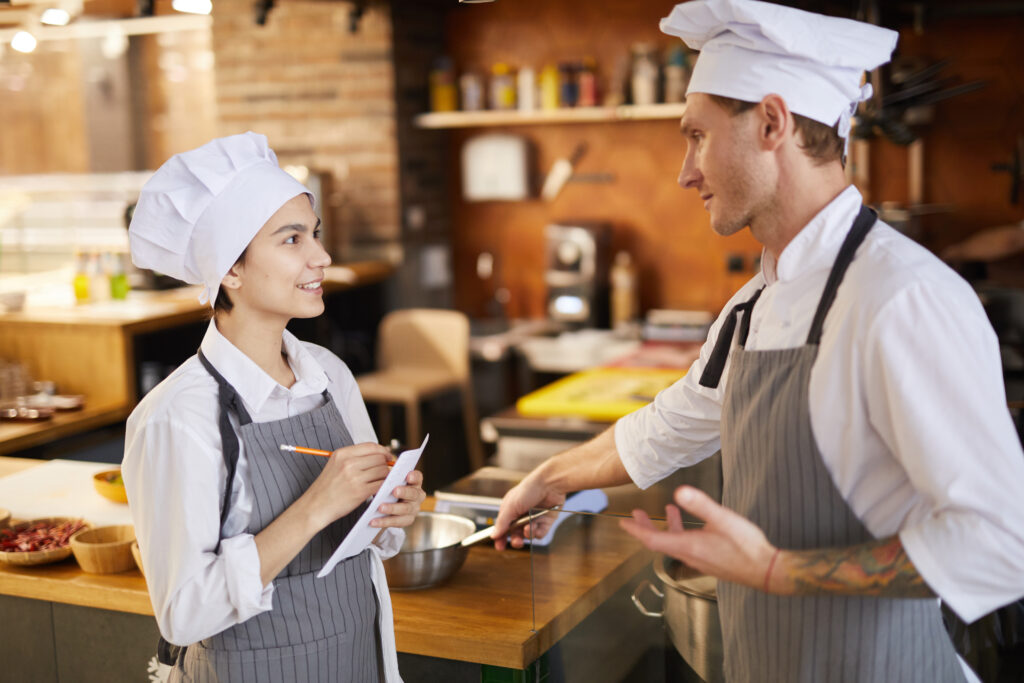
866	219
712	374
229	400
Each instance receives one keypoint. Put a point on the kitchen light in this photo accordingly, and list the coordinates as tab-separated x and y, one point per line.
55	16
193	6
23	41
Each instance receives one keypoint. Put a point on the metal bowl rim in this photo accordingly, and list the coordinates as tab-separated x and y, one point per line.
441	515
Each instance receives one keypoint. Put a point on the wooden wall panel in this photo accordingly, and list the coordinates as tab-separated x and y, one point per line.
41	108
971	132
682	262
81	359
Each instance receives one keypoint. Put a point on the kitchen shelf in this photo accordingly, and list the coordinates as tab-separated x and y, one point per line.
625	112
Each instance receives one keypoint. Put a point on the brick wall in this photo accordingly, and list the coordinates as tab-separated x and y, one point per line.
323	96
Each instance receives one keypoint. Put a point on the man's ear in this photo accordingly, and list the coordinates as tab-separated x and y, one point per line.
776	122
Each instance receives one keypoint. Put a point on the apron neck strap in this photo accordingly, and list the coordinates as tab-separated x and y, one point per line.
229	400
865	220
712	374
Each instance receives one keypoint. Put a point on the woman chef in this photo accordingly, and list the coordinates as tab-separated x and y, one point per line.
232	530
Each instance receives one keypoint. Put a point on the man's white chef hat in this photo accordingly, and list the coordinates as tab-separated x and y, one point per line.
751	49
200	210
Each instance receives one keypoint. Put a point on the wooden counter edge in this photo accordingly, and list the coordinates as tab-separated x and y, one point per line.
21	583
63	424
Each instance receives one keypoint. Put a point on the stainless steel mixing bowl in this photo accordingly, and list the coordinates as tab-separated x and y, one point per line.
432	551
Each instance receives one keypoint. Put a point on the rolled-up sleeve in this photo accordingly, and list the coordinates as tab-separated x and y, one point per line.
681	427
175	479
936	398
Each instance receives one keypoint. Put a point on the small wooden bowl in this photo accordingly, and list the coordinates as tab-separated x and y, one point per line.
105	549
110	485
34	557
138	557
5	518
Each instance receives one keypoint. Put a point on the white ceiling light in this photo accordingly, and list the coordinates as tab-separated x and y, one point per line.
23	41
193	6
55	16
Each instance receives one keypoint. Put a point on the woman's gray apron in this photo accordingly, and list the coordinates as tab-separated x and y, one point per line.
322	630
774	476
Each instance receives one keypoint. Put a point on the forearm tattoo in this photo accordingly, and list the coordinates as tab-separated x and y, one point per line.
879	568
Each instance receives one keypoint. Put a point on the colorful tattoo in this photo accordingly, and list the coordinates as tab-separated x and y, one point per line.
879	568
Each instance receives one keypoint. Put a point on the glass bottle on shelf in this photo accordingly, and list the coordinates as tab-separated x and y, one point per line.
503	87
99	282
80	282
549	90
644	78
676	75
587	82
443	94
118	278
471	88
526	81
567	86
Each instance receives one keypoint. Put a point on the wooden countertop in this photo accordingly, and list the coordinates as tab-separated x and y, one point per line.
88	349
485	614
17	436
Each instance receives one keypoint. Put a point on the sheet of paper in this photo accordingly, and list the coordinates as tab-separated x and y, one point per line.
362	534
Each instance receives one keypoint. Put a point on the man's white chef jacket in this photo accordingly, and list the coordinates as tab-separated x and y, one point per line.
174	473
907	405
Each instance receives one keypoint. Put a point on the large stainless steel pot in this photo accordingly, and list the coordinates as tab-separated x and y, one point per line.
431	553
690	610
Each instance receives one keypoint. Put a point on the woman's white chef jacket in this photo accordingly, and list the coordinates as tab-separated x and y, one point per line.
175	476
907	405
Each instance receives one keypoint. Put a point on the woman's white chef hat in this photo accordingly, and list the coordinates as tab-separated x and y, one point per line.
200	210
751	49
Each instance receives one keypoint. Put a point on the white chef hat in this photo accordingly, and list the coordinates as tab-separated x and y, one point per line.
199	211
751	49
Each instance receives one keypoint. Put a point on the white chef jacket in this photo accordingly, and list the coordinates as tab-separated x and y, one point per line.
174	474
907	405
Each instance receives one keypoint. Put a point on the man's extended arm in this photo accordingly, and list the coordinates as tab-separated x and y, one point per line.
732	548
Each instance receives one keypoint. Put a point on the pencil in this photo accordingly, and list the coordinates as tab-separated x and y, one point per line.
311	451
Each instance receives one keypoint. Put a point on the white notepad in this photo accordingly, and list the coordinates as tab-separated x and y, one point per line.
362	534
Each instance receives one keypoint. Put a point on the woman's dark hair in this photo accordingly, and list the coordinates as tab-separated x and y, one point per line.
223	302
821	143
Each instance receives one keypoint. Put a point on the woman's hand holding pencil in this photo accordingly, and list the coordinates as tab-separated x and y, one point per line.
314	451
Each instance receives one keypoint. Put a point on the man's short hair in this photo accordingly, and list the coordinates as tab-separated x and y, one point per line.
223	302
820	142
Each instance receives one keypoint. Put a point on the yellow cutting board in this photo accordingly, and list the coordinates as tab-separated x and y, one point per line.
604	394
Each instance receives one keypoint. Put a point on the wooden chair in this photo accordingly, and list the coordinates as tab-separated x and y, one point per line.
422	352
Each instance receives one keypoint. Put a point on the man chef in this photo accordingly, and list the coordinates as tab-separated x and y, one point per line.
853	386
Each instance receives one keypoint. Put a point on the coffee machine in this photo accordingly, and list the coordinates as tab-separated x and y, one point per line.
577	273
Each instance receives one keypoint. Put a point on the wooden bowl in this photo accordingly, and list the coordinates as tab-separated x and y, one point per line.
34	557
110	485
105	549
138	557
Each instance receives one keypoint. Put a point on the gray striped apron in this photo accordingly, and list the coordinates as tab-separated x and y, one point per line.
774	476
318	630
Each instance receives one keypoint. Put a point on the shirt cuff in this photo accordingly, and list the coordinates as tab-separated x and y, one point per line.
624	445
935	575
246	591
389	542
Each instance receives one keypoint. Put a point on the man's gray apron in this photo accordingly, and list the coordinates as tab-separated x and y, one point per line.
774	476
319	630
